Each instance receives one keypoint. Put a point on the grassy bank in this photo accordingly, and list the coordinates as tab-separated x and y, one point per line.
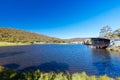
6	74
18	44
12	44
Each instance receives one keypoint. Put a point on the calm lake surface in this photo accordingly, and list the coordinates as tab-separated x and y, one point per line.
56	57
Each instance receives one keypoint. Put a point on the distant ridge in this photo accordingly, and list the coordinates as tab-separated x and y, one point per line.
16	35
76	39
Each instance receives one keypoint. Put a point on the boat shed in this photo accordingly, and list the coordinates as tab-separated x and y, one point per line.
100	42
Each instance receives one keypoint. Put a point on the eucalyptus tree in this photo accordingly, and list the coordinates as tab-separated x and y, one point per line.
105	32
117	32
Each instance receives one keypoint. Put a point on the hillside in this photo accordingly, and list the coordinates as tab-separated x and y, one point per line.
76	39
15	35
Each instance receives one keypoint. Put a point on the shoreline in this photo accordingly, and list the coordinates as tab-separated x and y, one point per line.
12	44
2	44
113	49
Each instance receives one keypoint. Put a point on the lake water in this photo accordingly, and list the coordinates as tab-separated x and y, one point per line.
56	57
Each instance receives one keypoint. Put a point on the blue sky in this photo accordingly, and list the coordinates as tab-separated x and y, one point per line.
61	18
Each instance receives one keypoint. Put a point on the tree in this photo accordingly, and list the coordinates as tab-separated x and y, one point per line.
105	31
117	32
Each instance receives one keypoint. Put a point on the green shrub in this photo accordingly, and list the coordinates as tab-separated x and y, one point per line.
7	74
92	78
118	78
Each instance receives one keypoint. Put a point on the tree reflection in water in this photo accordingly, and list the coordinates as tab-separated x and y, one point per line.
101	59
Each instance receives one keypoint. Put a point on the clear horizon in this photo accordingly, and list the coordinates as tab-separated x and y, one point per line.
61	18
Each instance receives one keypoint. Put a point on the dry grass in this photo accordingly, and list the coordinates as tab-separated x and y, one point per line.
12	44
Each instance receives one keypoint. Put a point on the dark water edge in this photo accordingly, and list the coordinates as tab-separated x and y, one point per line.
61	58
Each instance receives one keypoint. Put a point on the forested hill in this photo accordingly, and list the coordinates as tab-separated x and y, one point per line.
15	35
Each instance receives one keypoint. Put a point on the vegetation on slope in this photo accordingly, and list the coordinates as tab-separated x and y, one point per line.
6	74
16	36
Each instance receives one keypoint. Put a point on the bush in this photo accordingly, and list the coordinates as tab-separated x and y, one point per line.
7	74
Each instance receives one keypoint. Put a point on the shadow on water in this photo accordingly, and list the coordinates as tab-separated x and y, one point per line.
8	54
50	66
101	59
11	66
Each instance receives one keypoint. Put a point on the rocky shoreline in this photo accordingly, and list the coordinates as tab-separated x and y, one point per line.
114	49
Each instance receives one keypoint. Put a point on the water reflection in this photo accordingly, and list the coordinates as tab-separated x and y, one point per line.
49	66
102	61
8	54
12	66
